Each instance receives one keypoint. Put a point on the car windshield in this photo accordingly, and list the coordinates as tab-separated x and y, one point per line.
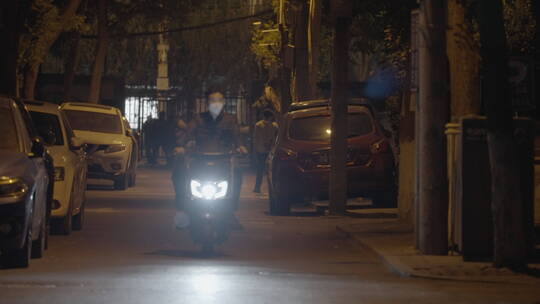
8	131
95	122
48	127
318	128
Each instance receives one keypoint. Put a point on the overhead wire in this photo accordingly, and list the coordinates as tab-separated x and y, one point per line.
187	28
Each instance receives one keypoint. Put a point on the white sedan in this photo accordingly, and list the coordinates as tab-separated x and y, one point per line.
69	166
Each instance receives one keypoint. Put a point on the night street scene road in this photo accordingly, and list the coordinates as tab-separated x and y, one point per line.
269	151
129	252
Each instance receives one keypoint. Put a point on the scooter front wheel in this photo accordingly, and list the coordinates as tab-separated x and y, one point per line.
207	248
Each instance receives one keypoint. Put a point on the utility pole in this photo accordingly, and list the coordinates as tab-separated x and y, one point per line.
341	15
314	41
301	69
432	116
284	67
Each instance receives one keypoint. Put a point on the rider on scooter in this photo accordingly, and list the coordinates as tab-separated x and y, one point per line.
213	131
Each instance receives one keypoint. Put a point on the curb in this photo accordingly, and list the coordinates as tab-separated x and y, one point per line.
403	270
392	266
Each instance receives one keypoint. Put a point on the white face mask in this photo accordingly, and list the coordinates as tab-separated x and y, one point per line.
215	109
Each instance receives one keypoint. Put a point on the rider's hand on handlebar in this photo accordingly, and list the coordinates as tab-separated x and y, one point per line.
179	151
242	150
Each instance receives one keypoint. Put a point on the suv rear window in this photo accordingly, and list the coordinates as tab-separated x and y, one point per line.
8	136
48	127
318	128
94	122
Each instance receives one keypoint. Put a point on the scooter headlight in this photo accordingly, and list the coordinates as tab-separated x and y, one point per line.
209	190
222	189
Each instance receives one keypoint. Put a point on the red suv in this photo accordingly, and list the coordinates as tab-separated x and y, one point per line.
298	166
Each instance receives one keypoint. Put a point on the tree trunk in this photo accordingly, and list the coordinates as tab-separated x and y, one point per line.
30	78
338	153
301	58
32	70
9	34
101	53
315	16
510	248
407	160
464	64
72	62
432	117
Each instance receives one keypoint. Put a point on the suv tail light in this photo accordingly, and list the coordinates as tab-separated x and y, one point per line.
380	146
286	154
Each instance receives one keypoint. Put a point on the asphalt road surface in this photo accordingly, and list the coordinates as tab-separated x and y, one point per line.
129	252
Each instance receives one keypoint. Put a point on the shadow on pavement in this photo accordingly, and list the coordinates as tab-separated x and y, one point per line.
99	187
374	215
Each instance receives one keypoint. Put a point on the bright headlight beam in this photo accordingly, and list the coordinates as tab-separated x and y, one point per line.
195	186
209	190
222	189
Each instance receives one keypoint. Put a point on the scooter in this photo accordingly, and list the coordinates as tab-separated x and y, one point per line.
210	207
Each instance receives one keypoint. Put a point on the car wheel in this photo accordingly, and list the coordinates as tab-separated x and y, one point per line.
272	200
387	199
132	179
18	258
47	234
64	226
278	204
121	182
38	246
78	219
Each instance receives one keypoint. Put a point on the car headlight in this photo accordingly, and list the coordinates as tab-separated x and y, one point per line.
115	148
209	190
59	173
12	187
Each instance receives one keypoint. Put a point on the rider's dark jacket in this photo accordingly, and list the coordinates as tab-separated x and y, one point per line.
220	135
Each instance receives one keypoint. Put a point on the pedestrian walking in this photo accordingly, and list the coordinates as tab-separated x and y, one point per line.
179	163
264	136
151	144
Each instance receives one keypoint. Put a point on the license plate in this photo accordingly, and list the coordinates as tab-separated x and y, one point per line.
323	157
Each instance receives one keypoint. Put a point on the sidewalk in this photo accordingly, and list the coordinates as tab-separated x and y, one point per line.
393	242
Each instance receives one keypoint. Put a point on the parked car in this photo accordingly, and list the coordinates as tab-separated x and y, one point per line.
299	164
70	165
24	187
112	154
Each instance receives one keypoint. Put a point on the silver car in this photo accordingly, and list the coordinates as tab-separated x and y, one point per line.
24	187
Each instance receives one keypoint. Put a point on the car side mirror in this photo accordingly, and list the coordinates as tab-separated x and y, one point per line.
129	133
77	143
38	148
